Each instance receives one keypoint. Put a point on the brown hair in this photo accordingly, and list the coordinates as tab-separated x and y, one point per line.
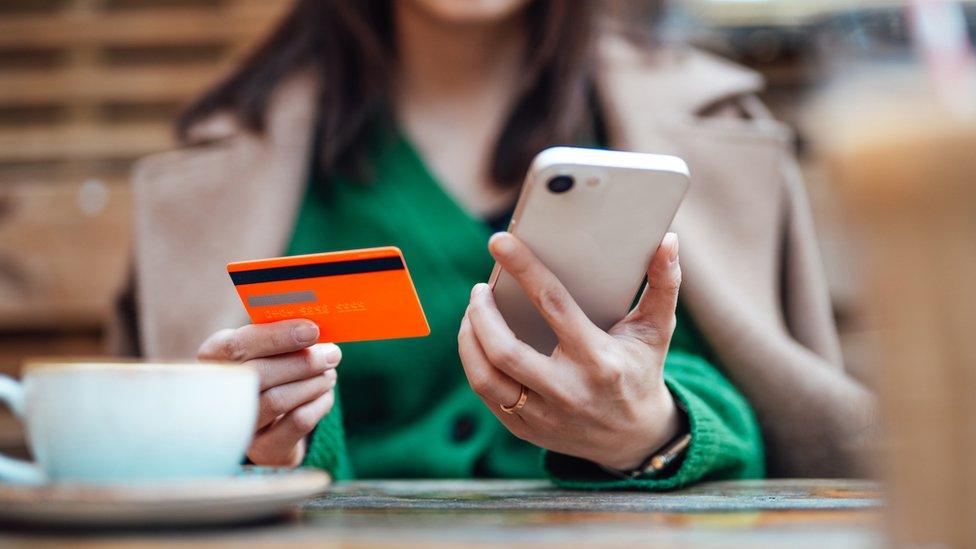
348	44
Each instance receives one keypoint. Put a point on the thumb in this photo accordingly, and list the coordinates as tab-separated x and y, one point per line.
652	320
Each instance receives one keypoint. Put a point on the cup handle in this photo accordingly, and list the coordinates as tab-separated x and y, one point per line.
16	470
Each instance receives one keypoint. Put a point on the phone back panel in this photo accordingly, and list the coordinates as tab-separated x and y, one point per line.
597	238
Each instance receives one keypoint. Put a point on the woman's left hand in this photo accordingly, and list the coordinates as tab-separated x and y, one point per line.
601	395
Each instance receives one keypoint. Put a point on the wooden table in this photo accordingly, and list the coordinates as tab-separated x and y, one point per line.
513	514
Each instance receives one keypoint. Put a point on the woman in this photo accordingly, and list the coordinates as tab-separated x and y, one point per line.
411	123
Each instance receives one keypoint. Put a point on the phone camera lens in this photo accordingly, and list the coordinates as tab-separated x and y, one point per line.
560	184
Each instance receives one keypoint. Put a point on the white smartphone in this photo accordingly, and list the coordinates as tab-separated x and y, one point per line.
595	219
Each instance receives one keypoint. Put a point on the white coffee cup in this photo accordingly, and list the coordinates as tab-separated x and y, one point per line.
122	422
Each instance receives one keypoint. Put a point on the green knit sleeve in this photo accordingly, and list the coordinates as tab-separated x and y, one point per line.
726	441
327	445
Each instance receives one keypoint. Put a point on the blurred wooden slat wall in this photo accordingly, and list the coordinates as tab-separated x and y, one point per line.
86	87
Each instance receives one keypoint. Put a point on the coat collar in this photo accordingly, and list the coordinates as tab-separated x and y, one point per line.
236	196
643	89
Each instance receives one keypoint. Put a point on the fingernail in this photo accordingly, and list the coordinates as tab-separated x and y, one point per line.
503	244
672	240
478	289
333	355
305	333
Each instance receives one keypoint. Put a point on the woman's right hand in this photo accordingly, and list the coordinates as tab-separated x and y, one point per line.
297	380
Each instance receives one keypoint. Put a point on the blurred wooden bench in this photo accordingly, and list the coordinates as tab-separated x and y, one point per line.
86	87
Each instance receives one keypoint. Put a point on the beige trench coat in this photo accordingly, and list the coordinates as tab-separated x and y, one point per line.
753	280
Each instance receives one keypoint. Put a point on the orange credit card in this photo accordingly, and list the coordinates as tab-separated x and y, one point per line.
354	295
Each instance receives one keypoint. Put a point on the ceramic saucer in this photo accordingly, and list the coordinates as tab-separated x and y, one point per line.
255	493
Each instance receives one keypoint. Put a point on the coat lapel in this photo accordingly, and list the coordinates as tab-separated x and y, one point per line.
752	278
652	101
198	209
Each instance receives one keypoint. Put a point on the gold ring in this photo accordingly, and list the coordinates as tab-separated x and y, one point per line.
523	396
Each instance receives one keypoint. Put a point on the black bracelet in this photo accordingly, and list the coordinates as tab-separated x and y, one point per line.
663	457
